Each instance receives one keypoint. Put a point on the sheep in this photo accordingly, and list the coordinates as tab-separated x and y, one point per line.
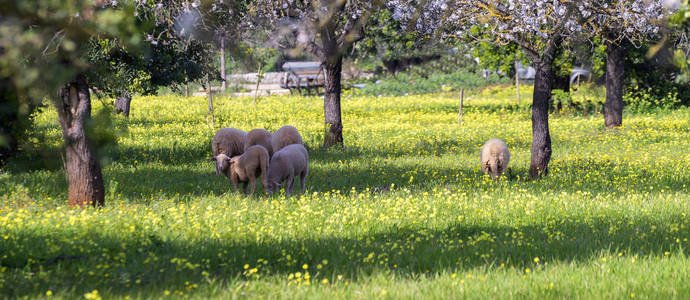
259	137
284	136
285	164
247	167
229	142
495	158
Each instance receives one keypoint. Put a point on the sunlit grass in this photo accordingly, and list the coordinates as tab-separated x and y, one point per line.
401	211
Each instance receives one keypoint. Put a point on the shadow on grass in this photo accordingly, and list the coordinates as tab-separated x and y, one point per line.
410	252
193	177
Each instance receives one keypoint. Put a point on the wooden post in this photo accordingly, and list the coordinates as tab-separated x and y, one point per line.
258	81
210	102
462	99
223	84
517	79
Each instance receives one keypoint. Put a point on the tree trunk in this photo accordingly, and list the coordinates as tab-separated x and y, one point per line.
541	138
209	115
122	104
331	102
615	69
82	165
222	64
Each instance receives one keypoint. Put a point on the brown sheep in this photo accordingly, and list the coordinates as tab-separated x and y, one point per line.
259	137
284	136
247	167
287	163
495	158
227	141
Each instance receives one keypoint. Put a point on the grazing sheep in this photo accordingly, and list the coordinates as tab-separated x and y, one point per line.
247	167
259	137
495	158
227	141
287	163
284	136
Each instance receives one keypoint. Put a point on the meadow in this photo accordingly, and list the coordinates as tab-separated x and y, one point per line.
401	211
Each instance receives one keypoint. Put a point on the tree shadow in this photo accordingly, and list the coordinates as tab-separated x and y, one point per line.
161	262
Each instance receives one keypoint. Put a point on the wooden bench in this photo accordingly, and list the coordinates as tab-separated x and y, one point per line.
303	75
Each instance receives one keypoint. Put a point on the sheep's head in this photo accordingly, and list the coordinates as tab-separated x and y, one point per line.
222	163
272	186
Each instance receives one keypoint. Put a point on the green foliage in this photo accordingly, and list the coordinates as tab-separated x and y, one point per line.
639	99
583	101
499	58
409	83
403	211
652	81
680	21
389	45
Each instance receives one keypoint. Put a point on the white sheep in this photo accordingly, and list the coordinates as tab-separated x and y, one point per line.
259	137
229	142
284	136
285	164
246	168
495	158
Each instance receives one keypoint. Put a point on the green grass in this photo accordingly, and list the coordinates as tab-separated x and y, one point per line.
609	221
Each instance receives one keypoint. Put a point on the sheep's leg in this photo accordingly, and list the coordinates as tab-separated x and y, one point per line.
302	179
244	186
252	181
288	185
233	179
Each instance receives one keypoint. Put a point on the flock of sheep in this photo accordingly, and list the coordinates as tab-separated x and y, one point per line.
276	158
280	157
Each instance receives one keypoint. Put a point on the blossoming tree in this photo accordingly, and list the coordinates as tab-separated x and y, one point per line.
325	29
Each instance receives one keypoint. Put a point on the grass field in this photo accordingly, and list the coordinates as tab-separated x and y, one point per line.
402	211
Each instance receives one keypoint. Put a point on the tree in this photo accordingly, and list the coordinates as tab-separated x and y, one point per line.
220	22
170	61
620	23
44	45
539	28
325	29
396	48
71	46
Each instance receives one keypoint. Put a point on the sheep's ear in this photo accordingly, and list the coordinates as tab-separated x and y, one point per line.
213	158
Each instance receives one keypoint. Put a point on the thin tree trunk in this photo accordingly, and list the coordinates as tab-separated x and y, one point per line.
122	104
209	115
222	64
186	89
615	70
541	138
462	99
331	102
83	168
258	81
517	78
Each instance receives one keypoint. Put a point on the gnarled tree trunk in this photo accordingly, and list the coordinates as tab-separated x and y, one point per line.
82	165
615	70
541	138
122	104
331	102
